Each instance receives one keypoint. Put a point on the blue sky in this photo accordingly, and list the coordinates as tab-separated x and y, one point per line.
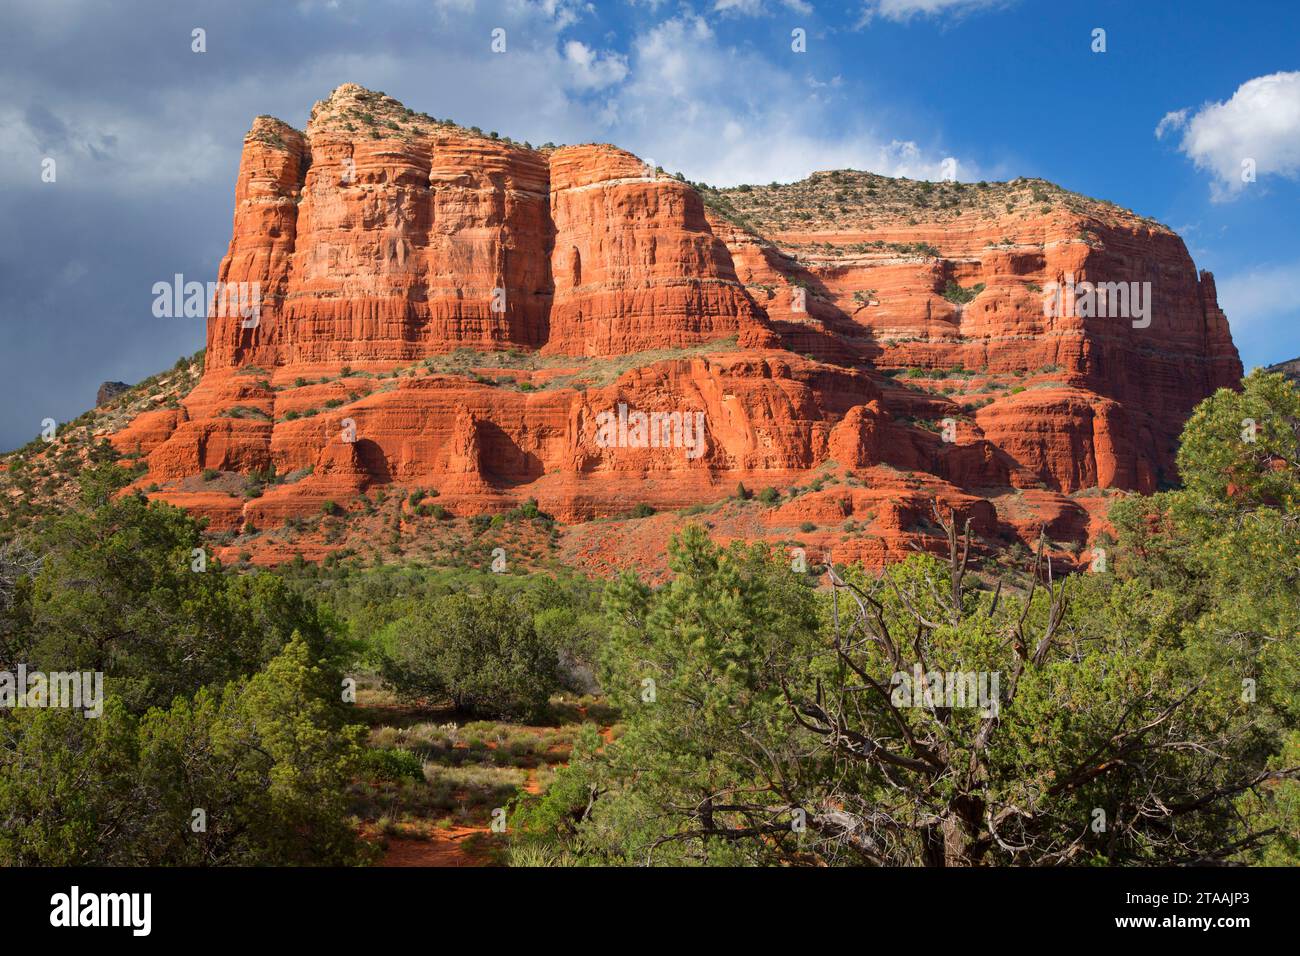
146	133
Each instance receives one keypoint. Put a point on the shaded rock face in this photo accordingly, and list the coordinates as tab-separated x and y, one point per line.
109	391
445	310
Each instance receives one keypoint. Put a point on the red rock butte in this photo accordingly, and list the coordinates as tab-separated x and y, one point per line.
444	309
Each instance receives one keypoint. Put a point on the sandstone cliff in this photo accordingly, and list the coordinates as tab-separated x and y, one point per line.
451	311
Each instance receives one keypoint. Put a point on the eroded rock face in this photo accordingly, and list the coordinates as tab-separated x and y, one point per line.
636	264
445	310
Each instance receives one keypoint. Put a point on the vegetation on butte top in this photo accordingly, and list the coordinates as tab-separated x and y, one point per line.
839	198
849	199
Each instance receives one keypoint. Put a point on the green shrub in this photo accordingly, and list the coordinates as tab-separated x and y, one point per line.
481	651
267	757
956	294
393	764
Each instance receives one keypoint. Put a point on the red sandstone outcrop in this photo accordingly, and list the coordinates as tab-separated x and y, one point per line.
916	355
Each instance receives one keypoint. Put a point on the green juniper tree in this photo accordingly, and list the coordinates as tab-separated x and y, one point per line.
1143	714
223	738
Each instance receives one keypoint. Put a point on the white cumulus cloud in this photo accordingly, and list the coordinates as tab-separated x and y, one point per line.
1173	120
682	106
754	8
590	70
1258	127
901	11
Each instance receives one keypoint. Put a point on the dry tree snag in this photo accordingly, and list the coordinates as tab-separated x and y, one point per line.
936	783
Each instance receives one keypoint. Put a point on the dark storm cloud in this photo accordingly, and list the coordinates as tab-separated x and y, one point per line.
146	134
50	131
